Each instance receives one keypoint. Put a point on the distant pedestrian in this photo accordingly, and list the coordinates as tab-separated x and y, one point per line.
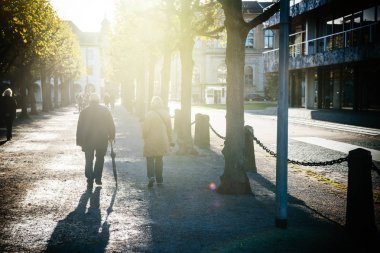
106	100
95	128
8	111
79	99
157	134
112	101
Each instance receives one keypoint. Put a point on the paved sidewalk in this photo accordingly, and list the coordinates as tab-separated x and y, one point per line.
57	214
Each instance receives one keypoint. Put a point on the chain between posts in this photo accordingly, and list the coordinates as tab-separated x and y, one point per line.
331	162
325	163
220	136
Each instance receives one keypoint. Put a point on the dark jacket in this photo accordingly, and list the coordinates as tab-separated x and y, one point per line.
95	127
8	107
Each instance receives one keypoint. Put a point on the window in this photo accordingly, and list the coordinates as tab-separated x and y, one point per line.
369	15
222	73
248	76
268	39
249	43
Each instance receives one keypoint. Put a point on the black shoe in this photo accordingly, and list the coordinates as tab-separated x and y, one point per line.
151	181
98	182
89	186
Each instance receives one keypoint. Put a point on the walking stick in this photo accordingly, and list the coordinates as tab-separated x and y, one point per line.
113	155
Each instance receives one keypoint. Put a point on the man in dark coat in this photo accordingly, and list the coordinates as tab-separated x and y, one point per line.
8	111
95	128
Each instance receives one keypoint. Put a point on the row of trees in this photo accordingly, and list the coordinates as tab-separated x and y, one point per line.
153	30
36	45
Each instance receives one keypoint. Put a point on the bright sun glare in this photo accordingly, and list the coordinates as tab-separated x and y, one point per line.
86	14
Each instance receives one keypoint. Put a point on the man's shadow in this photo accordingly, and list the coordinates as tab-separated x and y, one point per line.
81	230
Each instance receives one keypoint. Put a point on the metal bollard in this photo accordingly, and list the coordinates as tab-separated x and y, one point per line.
249	150
360	218
202	131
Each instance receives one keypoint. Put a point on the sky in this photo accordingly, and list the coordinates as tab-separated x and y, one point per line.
86	14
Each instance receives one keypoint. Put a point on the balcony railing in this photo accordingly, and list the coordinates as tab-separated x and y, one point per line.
349	38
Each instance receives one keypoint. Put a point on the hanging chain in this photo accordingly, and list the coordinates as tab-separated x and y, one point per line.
220	136
325	163
331	162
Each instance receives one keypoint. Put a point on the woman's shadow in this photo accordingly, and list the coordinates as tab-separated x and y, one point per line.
81	230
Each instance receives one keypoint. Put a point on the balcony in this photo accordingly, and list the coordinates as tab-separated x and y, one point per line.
358	44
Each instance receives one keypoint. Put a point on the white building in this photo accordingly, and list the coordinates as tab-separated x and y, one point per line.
210	71
91	59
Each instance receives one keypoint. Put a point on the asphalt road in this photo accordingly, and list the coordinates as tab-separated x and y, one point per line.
309	140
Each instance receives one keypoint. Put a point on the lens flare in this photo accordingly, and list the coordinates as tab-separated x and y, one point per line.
212	186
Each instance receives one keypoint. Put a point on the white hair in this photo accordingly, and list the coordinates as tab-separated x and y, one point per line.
7	93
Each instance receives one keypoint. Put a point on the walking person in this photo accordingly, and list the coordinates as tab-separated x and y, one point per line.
8	111
95	128
106	100
157	135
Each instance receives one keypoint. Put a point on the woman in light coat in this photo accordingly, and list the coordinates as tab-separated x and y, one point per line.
157	134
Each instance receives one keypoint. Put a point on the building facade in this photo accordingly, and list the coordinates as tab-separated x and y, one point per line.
334	54
210	71
90	44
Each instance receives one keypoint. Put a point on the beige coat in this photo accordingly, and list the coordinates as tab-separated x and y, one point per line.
157	133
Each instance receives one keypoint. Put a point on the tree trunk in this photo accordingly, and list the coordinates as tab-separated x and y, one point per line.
185	140
56	104
31	94
64	91
24	99
140	90
165	77
48	93
234	179
151	78
45	106
128	93
71	91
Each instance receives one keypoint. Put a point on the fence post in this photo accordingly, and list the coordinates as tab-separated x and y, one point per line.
202	131
360	218
249	150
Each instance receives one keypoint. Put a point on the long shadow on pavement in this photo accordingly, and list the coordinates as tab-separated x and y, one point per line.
186	216
79	231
